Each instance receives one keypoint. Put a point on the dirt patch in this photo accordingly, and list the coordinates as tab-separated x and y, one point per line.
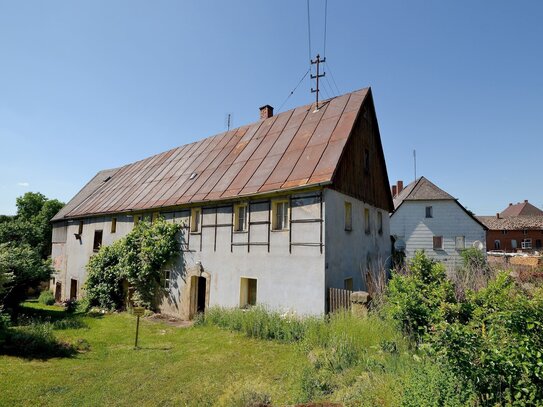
169	320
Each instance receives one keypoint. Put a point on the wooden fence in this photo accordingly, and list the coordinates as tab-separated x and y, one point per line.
339	299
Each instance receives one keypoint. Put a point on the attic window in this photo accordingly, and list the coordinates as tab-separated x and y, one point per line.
429	212
107	179
193	175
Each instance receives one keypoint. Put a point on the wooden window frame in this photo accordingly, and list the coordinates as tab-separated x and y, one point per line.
429	212
526	244
196	220
463	243
348	216
436	239
275	204
497	243
247	297
113	225
348	284
96	246
237	227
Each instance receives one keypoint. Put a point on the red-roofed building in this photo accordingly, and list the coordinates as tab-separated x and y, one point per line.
275	212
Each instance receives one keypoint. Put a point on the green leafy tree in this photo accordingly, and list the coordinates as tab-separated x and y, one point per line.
26	269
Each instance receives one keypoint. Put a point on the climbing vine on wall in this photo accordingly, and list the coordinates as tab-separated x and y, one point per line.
136	259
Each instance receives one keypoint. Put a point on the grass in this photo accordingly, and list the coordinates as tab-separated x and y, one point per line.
175	366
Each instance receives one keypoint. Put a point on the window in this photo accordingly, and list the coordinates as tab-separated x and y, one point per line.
460	242
504	232
348	216
526	244
513	244
195	220
240	217
438	242
97	240
497	245
280	215
367	161
80	230
248	292
367	226
429	212
538	243
167	279
524	232
137	219
113	225
348	284
73	289
380	222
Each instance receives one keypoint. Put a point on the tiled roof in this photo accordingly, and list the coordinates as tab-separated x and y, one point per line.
294	149
521	209
512	223
421	190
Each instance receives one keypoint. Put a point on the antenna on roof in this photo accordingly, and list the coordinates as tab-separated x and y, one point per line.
317	61
415	163
228	121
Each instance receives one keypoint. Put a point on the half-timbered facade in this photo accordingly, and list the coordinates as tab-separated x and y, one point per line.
273	213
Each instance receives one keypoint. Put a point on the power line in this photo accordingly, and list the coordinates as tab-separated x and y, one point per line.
293	90
309	31
333	79
325	18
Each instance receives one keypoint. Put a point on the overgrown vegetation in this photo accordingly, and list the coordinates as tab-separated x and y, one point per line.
46	298
136	259
25	244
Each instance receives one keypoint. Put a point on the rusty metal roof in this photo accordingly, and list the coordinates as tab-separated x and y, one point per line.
297	148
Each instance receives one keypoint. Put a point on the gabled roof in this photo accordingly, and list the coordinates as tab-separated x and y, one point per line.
424	190
512	222
96	182
521	209
421	190
296	149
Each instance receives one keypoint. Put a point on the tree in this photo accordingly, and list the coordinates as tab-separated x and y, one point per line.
25	268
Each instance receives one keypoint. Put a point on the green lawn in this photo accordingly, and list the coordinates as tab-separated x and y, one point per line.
175	366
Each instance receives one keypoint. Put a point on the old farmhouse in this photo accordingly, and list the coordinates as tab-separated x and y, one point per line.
274	212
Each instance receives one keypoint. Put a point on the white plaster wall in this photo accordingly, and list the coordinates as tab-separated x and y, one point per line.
409	223
285	281
350	253
78	252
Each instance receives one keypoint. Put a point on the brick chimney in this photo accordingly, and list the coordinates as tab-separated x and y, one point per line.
394	191
510	203
266	112
498	215
400	186
525	201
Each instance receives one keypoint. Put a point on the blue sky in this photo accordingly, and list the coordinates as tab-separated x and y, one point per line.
88	85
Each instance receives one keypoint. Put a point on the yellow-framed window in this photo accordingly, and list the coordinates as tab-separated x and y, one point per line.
195	220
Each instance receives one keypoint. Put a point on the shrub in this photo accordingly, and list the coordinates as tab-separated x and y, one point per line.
70	305
136	258
46	297
499	348
421	298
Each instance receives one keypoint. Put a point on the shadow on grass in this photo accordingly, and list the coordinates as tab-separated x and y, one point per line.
34	342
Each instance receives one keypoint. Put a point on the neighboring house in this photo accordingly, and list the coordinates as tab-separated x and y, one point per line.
275	212
518	227
427	218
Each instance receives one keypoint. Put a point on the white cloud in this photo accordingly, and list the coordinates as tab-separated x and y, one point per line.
23	184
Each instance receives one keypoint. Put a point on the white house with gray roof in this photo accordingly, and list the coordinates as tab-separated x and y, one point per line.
427	218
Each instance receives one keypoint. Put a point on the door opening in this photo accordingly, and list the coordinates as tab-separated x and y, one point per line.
58	292
201	297
73	289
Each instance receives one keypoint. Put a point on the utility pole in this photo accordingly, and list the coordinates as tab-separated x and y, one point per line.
317	61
